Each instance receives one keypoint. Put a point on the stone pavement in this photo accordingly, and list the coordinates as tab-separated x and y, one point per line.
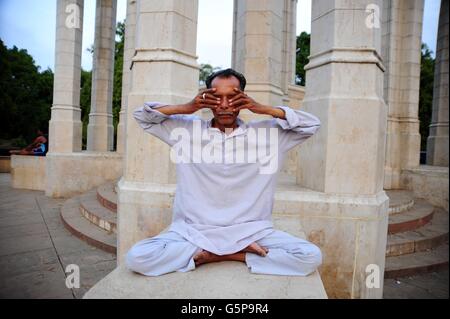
428	286
35	249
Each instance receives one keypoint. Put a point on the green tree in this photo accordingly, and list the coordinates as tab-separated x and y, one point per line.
25	95
205	71
85	102
303	52
426	94
118	71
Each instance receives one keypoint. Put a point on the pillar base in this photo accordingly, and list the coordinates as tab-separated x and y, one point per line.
350	230
144	210
437	153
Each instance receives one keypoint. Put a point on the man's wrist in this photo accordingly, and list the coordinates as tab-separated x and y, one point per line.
276	112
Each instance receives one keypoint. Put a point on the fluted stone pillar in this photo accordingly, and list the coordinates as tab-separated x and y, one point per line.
289	47
100	134
128	53
343	163
164	69
401	52
437	143
65	127
258	47
65	123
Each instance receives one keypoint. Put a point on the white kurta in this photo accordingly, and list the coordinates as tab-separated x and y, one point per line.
224	206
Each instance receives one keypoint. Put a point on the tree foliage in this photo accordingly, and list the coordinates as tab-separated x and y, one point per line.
205	71
303	52
26	94
426	94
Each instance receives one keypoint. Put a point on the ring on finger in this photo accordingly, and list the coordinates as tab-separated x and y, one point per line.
203	95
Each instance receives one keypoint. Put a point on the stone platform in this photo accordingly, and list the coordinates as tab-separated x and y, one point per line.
225	280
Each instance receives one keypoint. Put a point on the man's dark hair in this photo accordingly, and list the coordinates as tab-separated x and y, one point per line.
226	74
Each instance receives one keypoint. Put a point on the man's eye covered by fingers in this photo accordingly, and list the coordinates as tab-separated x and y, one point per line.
228	96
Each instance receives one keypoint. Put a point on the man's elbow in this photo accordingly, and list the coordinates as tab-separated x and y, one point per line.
316	126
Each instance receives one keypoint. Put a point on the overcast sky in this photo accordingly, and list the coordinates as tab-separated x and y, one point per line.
30	24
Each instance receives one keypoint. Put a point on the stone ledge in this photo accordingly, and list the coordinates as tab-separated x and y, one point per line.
69	174
427	182
225	280
28	172
5	164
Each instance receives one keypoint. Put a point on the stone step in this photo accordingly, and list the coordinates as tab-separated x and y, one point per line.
400	200
417	216
85	230
430	236
96	213
107	196
417	263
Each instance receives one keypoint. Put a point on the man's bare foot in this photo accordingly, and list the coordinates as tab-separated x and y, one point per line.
255	248
203	257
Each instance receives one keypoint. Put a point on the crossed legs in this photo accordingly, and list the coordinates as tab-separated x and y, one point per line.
278	253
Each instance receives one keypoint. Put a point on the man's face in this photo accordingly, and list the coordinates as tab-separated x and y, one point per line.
223	114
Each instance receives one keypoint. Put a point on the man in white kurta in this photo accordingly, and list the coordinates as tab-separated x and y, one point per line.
226	179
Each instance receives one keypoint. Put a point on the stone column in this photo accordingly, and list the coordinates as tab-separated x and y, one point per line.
164	69
343	163
100	135
289	47
65	123
128	53
401	52
437	143
258	43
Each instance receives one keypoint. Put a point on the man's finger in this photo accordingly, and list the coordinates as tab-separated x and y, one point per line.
210	102
239	102
210	96
211	90
237	96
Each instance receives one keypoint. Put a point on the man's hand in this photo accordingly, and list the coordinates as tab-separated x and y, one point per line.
205	99
242	101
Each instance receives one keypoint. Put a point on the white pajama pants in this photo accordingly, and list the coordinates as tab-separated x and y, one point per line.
169	252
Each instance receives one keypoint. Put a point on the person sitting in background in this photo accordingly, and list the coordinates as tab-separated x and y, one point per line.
37	148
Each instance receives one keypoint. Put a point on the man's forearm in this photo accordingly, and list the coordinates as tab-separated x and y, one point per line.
174	109
275	112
